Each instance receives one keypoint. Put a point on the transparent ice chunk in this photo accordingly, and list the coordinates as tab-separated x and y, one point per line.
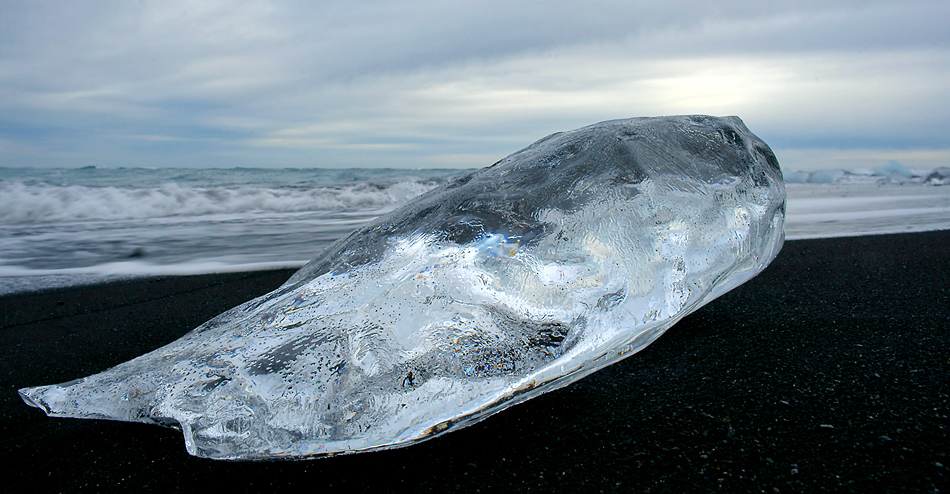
517	279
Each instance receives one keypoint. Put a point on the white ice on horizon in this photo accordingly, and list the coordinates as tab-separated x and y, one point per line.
891	173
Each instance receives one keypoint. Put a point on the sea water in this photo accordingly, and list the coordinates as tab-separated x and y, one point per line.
62	227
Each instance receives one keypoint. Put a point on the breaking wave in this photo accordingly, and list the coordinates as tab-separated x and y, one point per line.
25	202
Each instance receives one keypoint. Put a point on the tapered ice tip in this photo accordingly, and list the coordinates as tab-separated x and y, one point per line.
39	397
73	399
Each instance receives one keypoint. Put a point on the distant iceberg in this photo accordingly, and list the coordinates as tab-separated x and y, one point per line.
891	173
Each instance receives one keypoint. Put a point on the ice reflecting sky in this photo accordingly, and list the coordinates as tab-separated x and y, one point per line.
460	84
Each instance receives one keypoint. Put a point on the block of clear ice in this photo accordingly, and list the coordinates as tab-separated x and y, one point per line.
514	280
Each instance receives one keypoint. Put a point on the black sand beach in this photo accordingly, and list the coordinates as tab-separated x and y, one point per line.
828	372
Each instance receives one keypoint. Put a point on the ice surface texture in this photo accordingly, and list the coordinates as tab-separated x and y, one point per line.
517	279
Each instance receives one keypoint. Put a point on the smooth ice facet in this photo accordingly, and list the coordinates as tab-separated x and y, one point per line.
519	278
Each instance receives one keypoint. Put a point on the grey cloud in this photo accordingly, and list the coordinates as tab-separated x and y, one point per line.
333	40
220	79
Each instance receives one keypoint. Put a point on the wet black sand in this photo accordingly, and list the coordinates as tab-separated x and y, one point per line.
827	372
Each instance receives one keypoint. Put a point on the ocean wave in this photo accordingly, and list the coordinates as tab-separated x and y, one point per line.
25	202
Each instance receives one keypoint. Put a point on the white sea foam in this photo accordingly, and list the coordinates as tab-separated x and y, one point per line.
849	209
42	202
142	268
15	279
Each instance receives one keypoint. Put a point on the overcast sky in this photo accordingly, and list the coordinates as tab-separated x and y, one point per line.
437	83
